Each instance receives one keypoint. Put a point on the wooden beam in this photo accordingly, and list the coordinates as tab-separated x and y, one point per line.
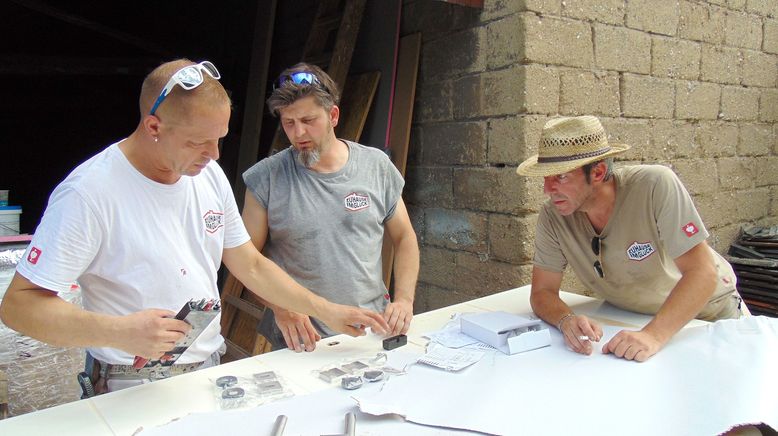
355	104
255	94
469	3
400	129
70	18
345	41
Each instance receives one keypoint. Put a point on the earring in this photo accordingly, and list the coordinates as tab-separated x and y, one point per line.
156	139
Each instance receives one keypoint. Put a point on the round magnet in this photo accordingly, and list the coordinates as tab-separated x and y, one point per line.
233	393
351	383
226	381
373	376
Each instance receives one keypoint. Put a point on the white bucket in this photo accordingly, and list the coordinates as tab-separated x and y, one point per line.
9	220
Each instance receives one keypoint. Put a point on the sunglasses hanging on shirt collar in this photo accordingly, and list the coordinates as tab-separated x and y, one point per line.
189	77
596	248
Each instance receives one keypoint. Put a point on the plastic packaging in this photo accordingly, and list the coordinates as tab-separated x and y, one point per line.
353	373
237	392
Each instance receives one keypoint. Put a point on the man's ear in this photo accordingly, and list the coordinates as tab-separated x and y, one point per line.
599	171
151	125
334	115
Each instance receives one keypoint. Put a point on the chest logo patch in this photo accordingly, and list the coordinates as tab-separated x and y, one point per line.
690	229
213	221
640	250
354	202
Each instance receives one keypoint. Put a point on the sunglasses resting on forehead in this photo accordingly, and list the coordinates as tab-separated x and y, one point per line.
188	78
298	78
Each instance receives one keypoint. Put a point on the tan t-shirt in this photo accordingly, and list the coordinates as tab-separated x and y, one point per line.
653	222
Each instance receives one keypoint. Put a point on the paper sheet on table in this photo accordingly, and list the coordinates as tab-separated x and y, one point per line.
450	359
704	381
451	337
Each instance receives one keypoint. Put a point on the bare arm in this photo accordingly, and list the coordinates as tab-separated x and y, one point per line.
295	327
406	269
545	302
41	314
686	300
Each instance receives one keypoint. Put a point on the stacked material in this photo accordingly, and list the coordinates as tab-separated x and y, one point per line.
754	256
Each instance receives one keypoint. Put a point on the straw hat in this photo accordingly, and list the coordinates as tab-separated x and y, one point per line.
568	143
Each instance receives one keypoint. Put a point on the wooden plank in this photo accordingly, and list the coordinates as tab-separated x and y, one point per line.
345	41
249	308
232	287
400	128
479	4
255	94
355	104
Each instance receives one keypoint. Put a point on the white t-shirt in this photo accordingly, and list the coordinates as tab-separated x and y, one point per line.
133	244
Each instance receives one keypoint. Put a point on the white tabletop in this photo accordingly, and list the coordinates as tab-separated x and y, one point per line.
124	412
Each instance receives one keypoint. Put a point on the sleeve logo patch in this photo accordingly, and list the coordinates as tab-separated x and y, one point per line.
640	250
213	221
354	202
34	255
690	229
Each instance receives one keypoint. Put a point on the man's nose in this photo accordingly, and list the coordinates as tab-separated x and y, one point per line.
549	185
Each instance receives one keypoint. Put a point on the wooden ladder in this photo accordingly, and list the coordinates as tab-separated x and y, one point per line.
330	45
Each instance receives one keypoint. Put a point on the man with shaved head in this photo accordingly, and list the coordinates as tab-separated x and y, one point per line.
143	227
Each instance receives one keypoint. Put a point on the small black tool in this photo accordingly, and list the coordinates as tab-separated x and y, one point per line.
395	341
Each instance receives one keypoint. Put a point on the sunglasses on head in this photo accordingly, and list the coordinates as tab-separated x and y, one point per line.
299	78
189	77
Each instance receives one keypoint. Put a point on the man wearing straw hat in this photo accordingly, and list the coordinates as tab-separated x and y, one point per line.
631	234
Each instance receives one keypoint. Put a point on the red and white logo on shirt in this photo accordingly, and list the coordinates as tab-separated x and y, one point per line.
34	255
690	229
213	221
354	201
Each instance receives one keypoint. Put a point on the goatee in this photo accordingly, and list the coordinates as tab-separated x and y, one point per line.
308	158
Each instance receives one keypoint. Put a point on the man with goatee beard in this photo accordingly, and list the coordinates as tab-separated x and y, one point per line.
319	209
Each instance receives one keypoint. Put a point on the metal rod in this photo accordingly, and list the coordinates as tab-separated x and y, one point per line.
278	427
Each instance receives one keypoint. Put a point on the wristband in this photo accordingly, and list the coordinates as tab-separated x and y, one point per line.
563	319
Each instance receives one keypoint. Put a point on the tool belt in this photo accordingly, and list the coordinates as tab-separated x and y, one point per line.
96	382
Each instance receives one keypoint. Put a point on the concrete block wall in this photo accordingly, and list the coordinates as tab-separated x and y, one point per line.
690	84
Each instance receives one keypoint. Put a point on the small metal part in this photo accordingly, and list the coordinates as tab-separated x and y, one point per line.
231	393
278	427
87	389
226	381
333	343
331	374
395	342
373	376
271	387
351	383
354	366
351	424
265	376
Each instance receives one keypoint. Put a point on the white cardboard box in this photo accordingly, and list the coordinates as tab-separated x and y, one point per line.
507	332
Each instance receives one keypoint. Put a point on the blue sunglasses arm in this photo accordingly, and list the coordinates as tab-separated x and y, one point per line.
161	97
